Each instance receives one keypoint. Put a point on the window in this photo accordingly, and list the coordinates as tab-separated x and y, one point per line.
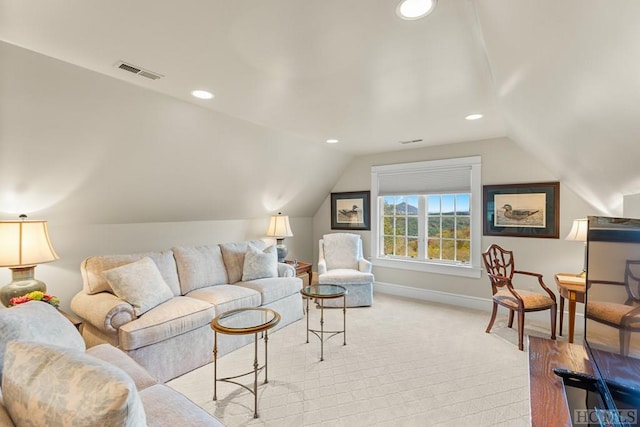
428	216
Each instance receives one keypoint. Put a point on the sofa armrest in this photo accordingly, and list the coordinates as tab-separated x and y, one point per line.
322	266
103	310
285	270
364	265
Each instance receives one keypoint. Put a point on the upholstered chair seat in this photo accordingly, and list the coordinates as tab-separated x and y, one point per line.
531	300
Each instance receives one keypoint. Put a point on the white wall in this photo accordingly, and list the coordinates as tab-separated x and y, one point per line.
116	168
78	146
75	242
502	163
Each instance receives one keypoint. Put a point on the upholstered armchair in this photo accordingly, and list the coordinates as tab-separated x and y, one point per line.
341	263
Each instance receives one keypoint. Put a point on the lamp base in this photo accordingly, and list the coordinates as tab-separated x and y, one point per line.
282	250
22	283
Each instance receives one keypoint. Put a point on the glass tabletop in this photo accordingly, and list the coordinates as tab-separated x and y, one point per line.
245	320
324	291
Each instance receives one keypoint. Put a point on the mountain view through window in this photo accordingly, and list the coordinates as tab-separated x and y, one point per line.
443	221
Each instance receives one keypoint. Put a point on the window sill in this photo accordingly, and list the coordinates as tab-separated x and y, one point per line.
428	267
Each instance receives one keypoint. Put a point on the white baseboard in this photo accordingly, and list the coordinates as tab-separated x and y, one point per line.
434	296
475	303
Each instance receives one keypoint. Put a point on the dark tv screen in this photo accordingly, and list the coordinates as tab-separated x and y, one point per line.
612	319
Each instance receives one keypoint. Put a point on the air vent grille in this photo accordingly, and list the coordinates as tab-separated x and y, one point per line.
138	70
411	141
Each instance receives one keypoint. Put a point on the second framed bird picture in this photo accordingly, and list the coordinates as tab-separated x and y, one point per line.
350	211
522	210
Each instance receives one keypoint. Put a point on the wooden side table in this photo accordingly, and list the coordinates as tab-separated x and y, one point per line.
572	287
77	322
302	268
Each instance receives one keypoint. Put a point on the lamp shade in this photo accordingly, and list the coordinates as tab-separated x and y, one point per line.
578	230
25	243
279	226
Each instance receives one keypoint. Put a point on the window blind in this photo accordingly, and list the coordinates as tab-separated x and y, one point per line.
425	181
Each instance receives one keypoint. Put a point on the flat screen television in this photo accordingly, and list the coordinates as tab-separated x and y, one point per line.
612	326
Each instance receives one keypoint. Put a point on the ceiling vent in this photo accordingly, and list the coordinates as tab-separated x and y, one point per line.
411	141
138	70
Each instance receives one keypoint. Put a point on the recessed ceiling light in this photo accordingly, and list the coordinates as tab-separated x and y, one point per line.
202	94
473	116
415	9
332	141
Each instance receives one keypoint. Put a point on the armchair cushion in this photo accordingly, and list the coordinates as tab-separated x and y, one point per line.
342	276
140	284
58	386
531	300
342	250
260	264
614	313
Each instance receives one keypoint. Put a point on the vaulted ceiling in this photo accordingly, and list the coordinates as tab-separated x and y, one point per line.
558	77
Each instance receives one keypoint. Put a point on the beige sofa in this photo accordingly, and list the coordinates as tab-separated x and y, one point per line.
174	336
49	379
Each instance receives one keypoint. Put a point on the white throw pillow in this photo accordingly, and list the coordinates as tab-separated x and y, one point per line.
140	284
50	385
260	264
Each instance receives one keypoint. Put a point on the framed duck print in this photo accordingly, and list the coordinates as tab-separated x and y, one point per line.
522	210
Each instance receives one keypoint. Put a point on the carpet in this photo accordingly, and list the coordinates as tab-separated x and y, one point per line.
406	363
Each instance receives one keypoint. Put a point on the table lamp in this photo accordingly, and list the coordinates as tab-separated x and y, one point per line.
279	228
578	233
23	244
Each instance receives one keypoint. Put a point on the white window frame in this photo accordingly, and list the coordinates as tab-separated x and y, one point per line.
472	269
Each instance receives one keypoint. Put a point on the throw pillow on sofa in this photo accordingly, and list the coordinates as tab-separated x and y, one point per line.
52	385
260	264
140	284
233	256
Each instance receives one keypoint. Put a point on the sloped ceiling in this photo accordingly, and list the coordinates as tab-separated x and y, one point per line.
566	73
557	77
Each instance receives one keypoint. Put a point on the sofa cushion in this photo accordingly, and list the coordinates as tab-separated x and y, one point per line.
167	320
233	256
58	386
140	284
273	289
93	281
228	297
260	264
108	353
199	267
39	322
165	407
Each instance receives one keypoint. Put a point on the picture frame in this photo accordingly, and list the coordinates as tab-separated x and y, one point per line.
522	210
350	210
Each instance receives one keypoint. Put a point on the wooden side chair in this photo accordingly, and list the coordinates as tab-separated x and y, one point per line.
625	317
501	271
